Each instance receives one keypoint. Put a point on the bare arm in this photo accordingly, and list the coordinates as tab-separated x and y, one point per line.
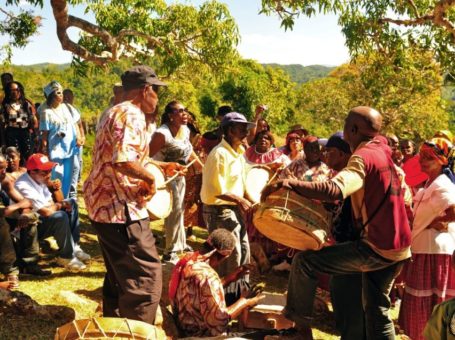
326	191
43	147
156	144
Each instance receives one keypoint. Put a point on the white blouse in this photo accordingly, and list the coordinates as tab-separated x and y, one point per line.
430	203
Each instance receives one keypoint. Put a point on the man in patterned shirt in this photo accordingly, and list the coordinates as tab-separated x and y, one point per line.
115	195
196	291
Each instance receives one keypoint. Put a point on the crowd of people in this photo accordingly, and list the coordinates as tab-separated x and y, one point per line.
391	202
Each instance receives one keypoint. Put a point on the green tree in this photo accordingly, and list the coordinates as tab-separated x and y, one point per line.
408	95
140	30
381	25
251	84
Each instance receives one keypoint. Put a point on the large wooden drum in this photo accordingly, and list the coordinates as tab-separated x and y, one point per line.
108	328
160	205
293	220
256	180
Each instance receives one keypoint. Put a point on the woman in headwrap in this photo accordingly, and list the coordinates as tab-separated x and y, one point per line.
60	135
429	278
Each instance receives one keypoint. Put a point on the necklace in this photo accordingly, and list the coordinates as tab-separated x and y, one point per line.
258	152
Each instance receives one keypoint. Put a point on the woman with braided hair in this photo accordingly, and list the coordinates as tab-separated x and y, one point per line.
429	277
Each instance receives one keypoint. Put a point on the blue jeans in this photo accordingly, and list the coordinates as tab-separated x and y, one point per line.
377	273
76	175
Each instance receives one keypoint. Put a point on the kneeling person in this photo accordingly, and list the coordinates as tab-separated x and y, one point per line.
196	291
59	219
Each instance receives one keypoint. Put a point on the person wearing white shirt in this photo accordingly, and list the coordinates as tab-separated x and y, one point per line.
59	219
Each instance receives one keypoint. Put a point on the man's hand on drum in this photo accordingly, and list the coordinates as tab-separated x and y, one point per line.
146	191
271	188
171	168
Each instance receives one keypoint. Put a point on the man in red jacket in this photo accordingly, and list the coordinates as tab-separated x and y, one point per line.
379	214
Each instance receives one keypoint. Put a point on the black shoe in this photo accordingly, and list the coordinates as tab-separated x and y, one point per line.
34	269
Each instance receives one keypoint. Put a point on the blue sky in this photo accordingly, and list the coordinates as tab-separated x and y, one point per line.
312	41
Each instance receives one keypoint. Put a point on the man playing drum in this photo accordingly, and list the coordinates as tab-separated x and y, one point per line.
378	208
116	192
223	191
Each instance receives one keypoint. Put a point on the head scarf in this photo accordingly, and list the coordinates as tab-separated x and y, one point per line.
437	148
441	150
52	87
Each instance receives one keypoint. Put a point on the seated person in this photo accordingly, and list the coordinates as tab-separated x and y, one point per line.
57	219
196	291
7	252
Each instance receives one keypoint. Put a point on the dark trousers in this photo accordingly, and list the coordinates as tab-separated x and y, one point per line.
228	217
133	280
21	139
346	296
377	274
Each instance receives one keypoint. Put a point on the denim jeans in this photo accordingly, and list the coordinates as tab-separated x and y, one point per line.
377	273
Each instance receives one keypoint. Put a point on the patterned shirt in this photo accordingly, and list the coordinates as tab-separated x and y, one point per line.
300	170
199	301
17	116
123	136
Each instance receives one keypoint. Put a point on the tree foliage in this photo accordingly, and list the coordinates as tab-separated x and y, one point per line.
139	30
407	94
381	25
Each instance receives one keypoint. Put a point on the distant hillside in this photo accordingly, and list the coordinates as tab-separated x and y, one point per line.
38	67
302	74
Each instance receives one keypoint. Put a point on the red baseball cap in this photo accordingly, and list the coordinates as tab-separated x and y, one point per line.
38	161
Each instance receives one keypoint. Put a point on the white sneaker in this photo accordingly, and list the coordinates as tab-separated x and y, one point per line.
71	264
80	254
282	266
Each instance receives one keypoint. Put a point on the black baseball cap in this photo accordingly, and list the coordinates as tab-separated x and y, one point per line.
139	76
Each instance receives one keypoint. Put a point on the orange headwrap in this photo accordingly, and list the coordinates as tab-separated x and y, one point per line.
437	148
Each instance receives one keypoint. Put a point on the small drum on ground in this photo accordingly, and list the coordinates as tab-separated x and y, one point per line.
160	205
108	328
293	220
256	180
267	314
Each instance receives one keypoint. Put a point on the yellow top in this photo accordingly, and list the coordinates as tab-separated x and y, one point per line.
224	172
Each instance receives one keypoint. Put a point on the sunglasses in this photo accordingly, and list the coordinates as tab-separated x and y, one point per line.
181	110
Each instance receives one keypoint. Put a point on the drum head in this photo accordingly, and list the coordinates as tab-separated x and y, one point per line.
107	328
256	180
160	205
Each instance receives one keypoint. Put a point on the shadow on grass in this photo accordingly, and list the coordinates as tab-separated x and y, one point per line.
95	294
64	274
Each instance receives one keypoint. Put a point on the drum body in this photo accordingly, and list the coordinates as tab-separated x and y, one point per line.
267	314
160	205
108	328
293	220
256	180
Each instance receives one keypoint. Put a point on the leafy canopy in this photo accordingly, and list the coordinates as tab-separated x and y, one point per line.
138	30
381	25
